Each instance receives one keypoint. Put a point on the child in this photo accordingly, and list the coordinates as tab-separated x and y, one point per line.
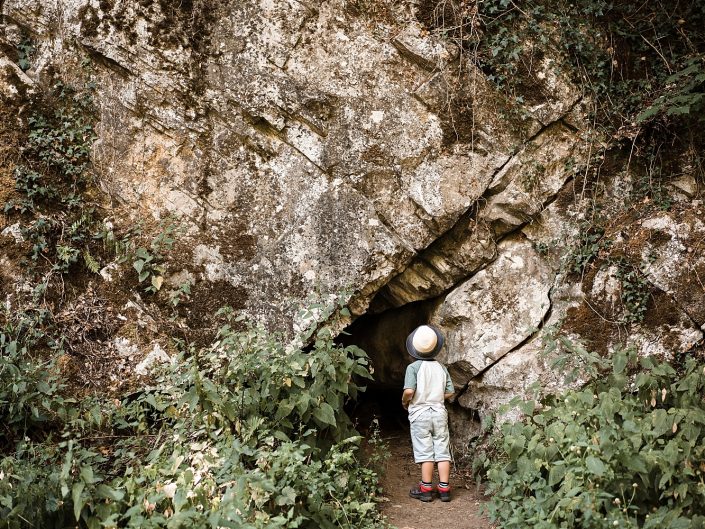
426	386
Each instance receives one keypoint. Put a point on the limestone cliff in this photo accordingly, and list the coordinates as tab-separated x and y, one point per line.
349	145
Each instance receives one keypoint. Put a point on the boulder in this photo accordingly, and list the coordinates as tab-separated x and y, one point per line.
496	310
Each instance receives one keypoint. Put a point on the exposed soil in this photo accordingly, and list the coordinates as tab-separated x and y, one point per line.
404	512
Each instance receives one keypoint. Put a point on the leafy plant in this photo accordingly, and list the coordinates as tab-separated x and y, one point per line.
29	388
248	432
179	294
591	239
635	291
588	36
149	263
649	185
32	186
25	50
61	227
685	93
532	176
642	93
627	450
63	138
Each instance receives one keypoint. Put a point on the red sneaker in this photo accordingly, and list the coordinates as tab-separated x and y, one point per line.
422	492
444	493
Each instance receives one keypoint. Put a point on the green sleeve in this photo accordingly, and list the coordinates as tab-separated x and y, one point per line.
449	382
410	377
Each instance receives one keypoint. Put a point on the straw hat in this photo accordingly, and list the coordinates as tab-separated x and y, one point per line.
425	342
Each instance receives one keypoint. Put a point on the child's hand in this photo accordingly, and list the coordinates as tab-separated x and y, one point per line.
406	397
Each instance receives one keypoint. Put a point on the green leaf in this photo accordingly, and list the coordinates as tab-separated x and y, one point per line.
138	265
646	362
76	494
595	465
636	463
556	474
649	113
151	400
284	408
527	407
680	523
661	422
180	498
516	446
682	491
619	362
87	475
106	492
677	111
287	496
325	414
665	479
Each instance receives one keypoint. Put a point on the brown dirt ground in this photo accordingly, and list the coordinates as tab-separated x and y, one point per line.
400	474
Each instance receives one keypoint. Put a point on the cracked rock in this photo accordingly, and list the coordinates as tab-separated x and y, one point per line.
496	310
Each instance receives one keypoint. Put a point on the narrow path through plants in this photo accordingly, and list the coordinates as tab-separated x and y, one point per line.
400	474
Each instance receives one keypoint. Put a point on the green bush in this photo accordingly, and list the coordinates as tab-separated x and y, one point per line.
29	390
52	183
625	451
249	432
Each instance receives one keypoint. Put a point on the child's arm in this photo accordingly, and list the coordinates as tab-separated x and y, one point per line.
449	389
409	384
406	397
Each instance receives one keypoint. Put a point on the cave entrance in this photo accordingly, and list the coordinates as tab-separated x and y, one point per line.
378	416
383	337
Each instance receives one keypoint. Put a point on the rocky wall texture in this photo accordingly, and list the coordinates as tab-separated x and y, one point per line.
328	147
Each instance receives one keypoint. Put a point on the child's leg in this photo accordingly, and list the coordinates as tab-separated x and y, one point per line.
441	445
441	450
443	480
427	471
422	441
443	471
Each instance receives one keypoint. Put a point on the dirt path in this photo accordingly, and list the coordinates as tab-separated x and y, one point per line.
407	513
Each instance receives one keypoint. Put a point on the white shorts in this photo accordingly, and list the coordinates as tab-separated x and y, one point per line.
430	437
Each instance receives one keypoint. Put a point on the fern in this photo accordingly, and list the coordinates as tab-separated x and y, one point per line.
91	263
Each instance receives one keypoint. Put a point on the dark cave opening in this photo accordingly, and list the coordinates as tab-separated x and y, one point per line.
383	337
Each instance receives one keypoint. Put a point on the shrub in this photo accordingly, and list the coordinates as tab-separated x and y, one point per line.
249	432
29	390
624	451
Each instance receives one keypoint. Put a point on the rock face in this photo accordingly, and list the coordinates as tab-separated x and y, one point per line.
497	309
518	192
675	263
308	147
303	147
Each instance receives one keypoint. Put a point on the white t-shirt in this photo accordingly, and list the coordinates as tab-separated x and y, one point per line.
430	381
